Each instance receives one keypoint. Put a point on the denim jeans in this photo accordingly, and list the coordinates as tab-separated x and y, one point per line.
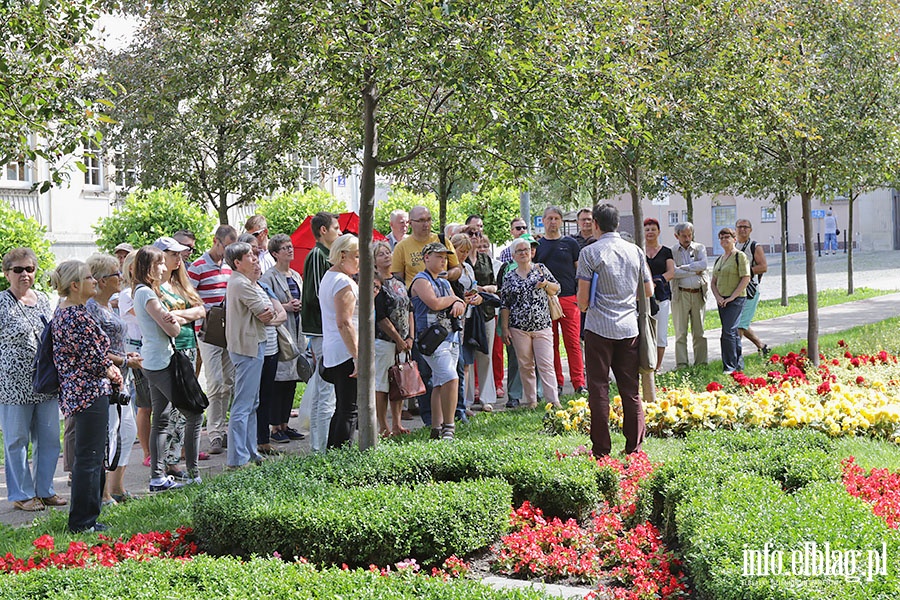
730	315
319	395
242	423
831	242
88	474
38	424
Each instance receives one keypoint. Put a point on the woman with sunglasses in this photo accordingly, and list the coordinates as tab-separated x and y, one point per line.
25	417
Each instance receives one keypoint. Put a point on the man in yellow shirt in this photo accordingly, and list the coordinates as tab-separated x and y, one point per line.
407	259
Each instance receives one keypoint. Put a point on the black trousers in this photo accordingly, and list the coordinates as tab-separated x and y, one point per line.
343	423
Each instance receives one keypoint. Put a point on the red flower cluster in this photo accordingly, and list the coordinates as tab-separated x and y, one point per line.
880	488
636	560
141	546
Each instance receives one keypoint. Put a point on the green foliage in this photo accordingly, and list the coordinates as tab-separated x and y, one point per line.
285	212
18	230
402	198
778	487
45	112
149	214
264	512
205	576
497	205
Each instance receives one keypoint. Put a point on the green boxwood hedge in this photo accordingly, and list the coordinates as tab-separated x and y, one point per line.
332	523
207	577
730	493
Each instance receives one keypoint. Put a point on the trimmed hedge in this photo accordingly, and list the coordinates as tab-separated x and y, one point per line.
731	492
565	488
206	577
330	523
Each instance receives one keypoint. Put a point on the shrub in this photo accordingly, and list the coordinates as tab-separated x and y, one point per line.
497	205
205	577
402	198
732	492
284	213
357	525
149	214
18	230
565	488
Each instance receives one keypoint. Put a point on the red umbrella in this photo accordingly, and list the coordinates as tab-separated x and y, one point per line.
304	240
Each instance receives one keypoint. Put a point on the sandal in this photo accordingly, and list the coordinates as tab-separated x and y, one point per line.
33	505
124	497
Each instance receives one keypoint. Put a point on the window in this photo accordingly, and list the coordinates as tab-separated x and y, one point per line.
93	174
767	214
673	218
126	175
310	170
684	218
19	170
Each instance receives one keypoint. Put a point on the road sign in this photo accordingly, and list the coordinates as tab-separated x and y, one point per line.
818	214
538	222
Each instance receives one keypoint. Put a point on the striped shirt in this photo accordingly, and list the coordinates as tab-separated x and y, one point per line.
209	279
619	267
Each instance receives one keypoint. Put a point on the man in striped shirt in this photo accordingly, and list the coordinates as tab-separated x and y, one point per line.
611	327
209	275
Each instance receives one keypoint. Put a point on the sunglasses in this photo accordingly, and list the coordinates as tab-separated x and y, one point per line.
520	227
18	270
258	233
116	274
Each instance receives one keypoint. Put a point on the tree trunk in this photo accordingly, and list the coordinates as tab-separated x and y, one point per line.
689	201
849	237
222	208
365	394
781	198
812	294
648	385
443	196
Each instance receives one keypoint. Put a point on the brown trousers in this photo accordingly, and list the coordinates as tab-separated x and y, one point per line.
603	354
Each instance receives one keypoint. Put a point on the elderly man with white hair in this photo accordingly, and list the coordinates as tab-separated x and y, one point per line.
399	225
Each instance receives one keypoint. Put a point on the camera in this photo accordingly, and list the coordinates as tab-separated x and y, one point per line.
118	397
456	324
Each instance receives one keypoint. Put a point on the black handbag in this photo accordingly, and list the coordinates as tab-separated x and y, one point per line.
751	289
476	332
46	377
187	395
430	338
213	328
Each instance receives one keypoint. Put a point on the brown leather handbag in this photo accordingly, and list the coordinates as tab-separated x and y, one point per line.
404	380
213	328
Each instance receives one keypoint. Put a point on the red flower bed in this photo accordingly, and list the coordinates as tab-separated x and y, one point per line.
880	488
633	563
141	546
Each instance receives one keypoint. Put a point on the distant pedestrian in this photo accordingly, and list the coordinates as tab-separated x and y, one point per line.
758	266
831	232
585	235
662	268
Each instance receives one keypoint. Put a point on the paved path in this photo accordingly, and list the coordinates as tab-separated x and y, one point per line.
877	270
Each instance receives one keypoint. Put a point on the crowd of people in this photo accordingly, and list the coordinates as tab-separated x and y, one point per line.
441	300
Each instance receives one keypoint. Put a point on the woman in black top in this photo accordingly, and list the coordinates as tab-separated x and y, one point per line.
662	267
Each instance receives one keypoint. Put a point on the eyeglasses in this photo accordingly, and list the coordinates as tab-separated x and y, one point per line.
475	234
18	270
744	227
116	274
428	220
520	227
286	249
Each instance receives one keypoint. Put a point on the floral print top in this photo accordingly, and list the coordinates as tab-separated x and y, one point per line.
20	328
529	307
80	352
